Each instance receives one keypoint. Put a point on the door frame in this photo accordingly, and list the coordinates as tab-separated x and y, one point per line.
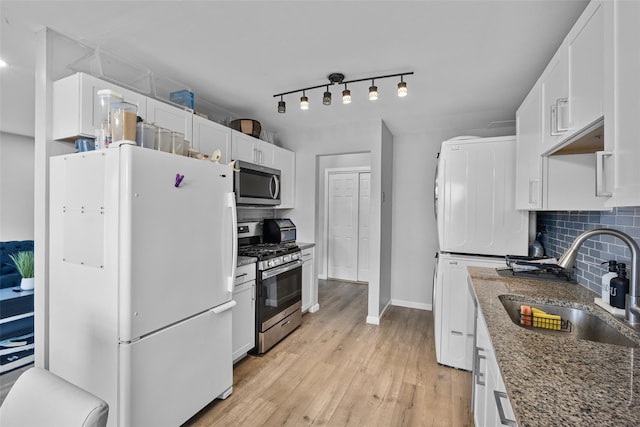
325	226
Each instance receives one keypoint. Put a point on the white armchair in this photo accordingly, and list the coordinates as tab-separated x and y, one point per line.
41	398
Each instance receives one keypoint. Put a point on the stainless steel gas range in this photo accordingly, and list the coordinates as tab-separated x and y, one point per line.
278	278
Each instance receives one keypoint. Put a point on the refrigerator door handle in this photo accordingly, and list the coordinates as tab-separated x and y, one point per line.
231	203
223	307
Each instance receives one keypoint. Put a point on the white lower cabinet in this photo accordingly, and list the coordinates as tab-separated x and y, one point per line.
244	313
309	282
491	406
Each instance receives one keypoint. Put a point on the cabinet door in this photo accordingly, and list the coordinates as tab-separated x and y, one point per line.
483	346
285	161
622	124
586	68
243	147
528	130
555	100
243	319
76	105
170	117
209	136
265	152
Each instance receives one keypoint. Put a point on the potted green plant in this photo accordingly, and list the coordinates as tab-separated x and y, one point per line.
24	264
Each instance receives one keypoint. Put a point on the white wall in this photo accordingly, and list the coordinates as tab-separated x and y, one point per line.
351	138
415	237
386	218
16	187
354	160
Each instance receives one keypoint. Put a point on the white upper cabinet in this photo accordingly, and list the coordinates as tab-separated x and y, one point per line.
585	45
528	166
170	117
573	83
209	136
76	105
618	168
555	100
249	149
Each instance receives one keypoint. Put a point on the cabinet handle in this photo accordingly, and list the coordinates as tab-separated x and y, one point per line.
533	191
480	375
554	120
601	178
255	155
562	124
498	395
241	275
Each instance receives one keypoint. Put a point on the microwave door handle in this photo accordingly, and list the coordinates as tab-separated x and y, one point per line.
274	187
277	182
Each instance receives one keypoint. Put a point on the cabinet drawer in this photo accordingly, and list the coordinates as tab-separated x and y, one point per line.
245	273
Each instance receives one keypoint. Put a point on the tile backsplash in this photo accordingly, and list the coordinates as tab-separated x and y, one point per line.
559	230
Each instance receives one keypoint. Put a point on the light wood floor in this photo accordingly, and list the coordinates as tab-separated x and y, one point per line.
336	370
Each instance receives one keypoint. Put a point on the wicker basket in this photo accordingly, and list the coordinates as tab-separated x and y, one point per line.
247	126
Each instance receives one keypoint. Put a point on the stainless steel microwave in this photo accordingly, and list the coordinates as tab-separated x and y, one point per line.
256	185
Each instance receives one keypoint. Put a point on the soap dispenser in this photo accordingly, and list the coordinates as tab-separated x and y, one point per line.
619	287
606	279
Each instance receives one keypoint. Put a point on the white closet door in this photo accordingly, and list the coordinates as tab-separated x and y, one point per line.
343	226
363	227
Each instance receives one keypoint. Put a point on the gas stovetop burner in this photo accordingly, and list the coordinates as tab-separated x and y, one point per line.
267	250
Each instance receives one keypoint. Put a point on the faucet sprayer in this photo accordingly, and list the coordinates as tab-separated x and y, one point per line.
632	310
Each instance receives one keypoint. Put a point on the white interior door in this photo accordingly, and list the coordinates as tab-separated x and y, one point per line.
343	226
363	226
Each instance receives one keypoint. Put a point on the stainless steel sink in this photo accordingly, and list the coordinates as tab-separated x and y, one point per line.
583	325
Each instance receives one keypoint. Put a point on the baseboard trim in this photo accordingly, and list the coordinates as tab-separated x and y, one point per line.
373	320
411	304
314	308
322	276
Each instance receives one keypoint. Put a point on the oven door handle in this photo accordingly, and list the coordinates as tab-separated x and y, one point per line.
279	270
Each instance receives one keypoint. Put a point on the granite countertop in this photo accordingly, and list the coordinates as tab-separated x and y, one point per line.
305	245
553	380
244	260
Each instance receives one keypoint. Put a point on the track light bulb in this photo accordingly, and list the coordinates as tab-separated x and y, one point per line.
346	95
402	88
373	92
304	102
282	106
326	98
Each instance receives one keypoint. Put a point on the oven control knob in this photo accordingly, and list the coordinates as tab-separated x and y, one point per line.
270	263
286	258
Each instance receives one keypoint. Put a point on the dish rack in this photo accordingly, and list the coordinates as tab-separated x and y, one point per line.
545	321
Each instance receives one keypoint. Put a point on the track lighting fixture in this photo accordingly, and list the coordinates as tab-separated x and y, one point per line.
346	95
338	78
326	98
373	91
402	88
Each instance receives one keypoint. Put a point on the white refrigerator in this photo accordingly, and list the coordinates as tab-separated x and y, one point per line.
478	225
142	268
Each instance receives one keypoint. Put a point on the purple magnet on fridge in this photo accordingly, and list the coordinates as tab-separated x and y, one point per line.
179	179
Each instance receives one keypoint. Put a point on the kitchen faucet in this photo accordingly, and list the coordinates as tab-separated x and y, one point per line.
566	261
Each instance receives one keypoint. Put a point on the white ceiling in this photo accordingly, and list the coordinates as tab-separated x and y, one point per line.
474	61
